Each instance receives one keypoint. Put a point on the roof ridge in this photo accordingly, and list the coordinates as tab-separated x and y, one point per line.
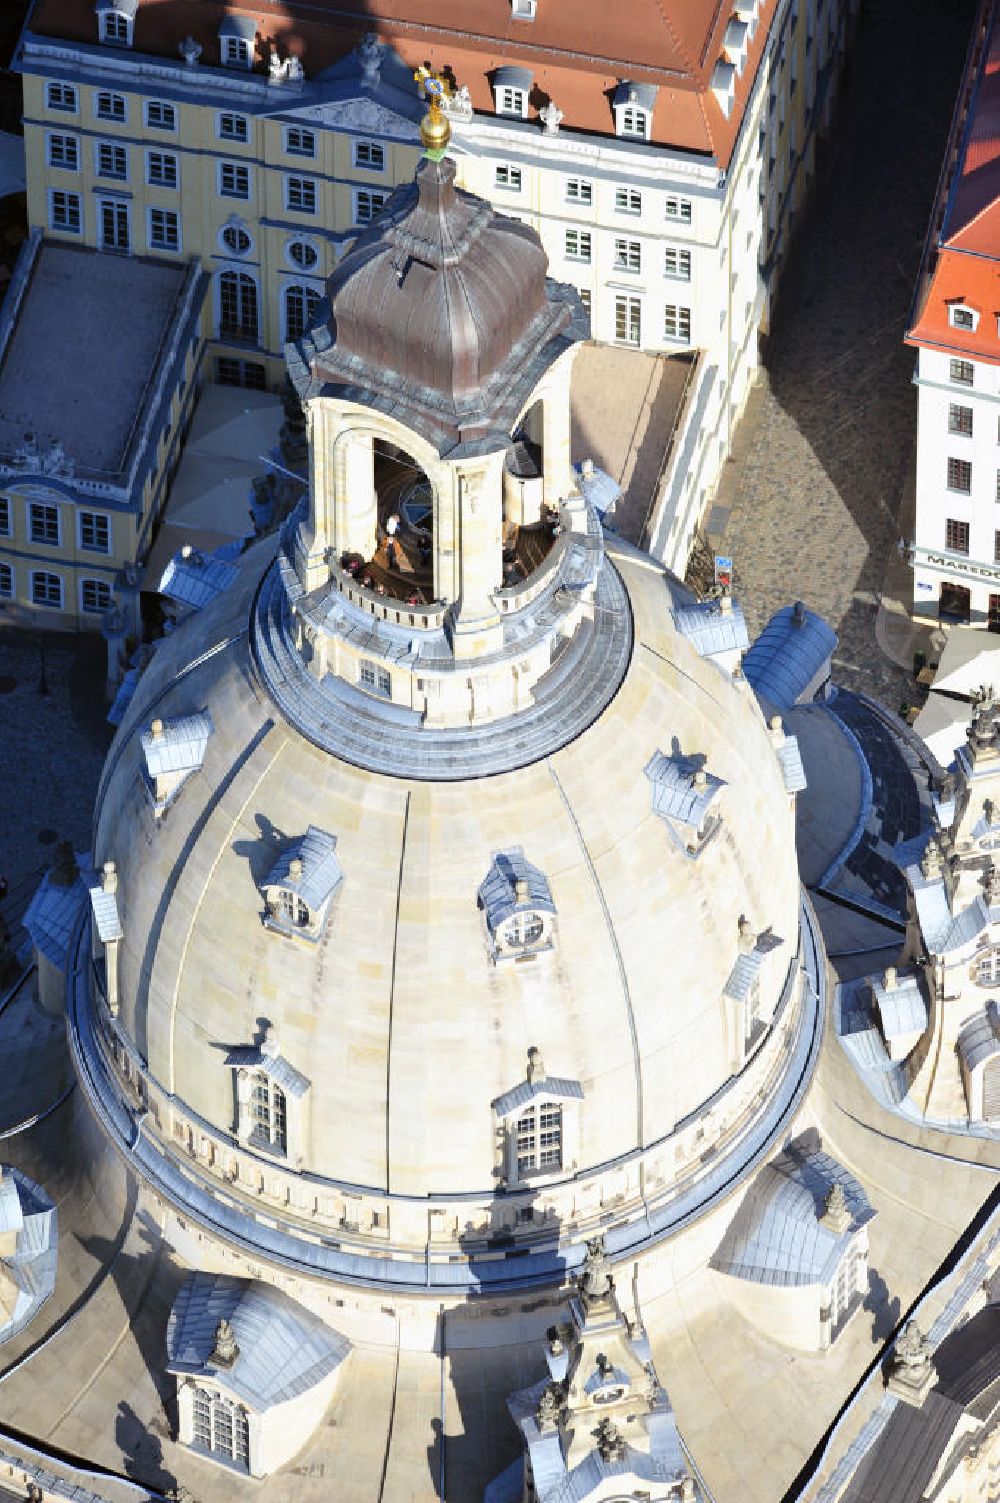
675	37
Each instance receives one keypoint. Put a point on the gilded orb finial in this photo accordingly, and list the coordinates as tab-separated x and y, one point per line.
435	132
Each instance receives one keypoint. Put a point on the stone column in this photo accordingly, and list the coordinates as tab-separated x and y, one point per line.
109	882
113	630
557	466
356	503
314	532
477	627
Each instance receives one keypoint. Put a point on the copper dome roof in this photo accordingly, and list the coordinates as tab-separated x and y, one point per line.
442	314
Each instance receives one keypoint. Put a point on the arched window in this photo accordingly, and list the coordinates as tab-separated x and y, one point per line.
269	1113
237	305
301	304
524	930
236	239
221	1427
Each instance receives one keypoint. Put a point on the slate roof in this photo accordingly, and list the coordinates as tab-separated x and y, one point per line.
180	747
748	963
598	489
321	873
275	1066
123	698
942	930
32	1267
105	906
775	1237
52	913
498	890
902	1009
530	1090
195	579
284	1350
673	792
789	653
712	627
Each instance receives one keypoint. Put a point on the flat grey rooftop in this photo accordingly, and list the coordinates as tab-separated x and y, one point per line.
82	350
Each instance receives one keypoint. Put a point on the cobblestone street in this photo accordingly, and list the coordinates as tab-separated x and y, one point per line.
825	449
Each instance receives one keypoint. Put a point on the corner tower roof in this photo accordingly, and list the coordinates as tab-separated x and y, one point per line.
442	315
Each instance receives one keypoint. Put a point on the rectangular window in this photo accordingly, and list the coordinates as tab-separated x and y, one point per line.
160	115
585	298
962	318
300	194
579	191
6	581
511	101
112	161
633	122
232	127
61	96
245	373
5	528
679	209
550	1136
300	142
116	29
95	596
628	320
370	155
677	322
960	475
64	151
367	203
113	221
506	176
375	678
962	371
161	169
236	52
959	419
95	532
677	264
956	536
110	107
996	547
64	211
628	201
628	255
46	589
578	245
234	180
164	230
43	523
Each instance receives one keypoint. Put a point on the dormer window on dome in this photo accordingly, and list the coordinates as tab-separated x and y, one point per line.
511	91
681	792
538	1125
270	1098
633	106
517	907
237	36
115	21
173	750
743	988
300	888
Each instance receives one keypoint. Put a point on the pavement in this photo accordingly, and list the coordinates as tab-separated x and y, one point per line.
814	497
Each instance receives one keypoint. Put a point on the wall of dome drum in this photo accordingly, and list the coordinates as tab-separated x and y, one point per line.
388	1083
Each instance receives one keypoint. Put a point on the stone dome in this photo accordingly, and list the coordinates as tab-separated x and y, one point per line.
443	303
403	1037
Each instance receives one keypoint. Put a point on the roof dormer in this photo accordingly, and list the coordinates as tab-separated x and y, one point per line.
962	315
736	42
633	106
724	85
237	36
300	888
681	791
173	750
115	21
517	907
511	91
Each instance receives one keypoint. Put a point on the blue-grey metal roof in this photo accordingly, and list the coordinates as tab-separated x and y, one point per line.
32	1266
787	656
673	791
195	578
776	1236
250	1057
123	698
11	1216
712	627
748	963
52	913
554	1086
123	7
180	747
943	931
598	489
105	906
512	77
790	759
321	873
979	1038
284	1349
641	94
901	1008
239	26
498	890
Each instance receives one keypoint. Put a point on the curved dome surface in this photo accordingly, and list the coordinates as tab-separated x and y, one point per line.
404	1029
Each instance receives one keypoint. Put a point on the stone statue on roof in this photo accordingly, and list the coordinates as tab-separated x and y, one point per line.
913	1350
370	51
596	1281
226	1350
610	1440
550	1406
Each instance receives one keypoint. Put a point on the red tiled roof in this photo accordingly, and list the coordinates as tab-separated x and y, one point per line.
578	50
965	279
